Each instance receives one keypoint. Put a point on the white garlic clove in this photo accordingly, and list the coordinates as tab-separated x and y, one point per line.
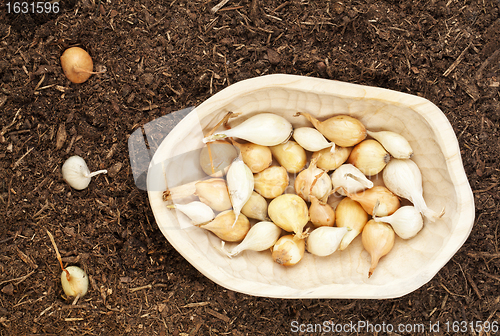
74	281
76	173
311	139
325	240
403	178
266	129
240	184
406	221
394	143
198	212
261	236
349	178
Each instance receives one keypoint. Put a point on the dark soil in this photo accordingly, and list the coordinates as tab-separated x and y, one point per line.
163	56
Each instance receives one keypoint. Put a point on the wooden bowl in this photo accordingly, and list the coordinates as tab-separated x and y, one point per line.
410	264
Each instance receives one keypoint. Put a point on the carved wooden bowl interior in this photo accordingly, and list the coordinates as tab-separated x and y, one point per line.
408	266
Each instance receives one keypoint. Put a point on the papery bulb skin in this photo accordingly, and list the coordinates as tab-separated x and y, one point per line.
320	213
349	178
313	181
388	203
77	64
350	214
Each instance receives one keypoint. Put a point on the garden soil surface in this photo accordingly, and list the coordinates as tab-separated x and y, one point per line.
163	56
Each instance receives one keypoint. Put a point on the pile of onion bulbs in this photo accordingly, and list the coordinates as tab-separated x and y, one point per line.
291	191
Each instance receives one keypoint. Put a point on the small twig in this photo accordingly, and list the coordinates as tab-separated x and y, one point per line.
22	157
479	73
446	289
58	255
140	288
492	276
8	33
218	6
21	279
6	128
473	285
457	62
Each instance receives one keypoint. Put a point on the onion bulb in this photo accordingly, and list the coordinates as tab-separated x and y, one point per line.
227	227
255	207
261	236
313	181
77	65
216	157
350	214
369	156
76	173
74	281
349	178
271	182
289	250
388	202
394	143
290	213
290	155
198	212
344	130
311	139
406	221
321	213
213	192
328	160
256	157
378	240
403	177
240	184
325	240
266	129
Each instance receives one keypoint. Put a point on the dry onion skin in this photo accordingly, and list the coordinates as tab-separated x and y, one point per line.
77	65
